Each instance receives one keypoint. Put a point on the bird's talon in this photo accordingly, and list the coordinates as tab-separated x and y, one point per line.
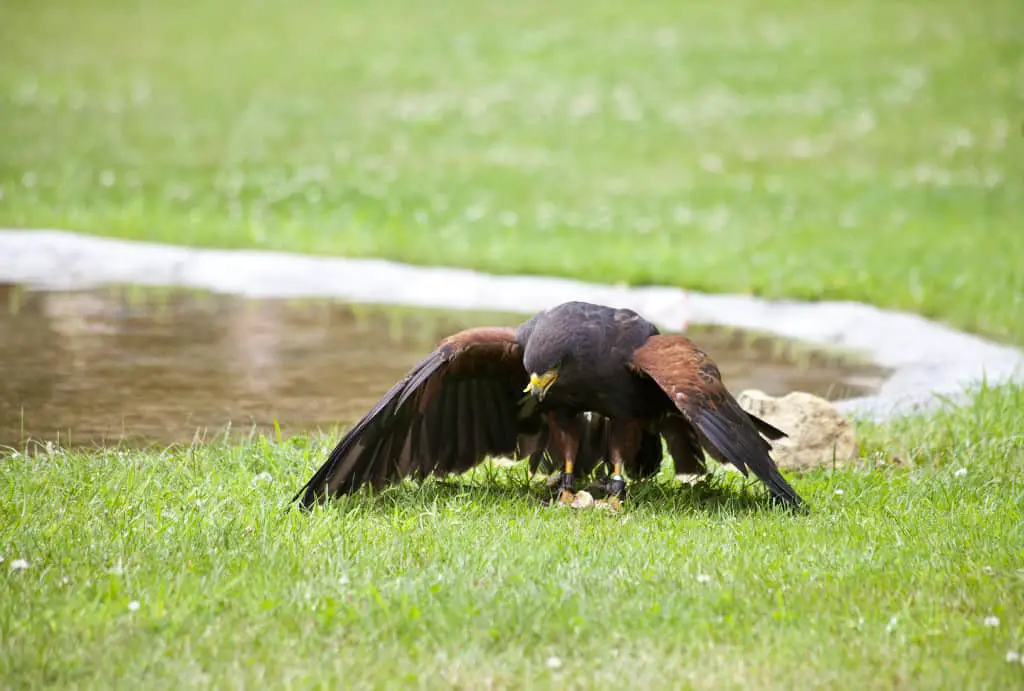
562	489
617	487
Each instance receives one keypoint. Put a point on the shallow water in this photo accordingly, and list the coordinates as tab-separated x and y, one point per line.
137	366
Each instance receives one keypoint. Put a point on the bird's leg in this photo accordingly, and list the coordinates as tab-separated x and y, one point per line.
624	437
564	436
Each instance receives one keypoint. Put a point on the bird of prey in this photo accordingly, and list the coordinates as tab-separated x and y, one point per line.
578	384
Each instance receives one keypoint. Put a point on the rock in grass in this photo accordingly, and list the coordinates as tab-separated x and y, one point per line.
818	433
583	500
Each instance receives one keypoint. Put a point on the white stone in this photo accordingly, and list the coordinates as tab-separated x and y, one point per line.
818	435
583	500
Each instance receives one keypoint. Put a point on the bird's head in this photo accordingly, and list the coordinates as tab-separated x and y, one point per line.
549	352
544	360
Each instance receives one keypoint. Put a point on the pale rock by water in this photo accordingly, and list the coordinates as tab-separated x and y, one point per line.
818	434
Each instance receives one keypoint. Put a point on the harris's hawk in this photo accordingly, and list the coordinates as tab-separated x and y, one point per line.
601	385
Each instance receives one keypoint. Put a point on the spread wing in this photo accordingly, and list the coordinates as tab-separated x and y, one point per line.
694	386
457	406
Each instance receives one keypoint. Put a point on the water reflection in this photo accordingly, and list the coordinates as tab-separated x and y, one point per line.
147	365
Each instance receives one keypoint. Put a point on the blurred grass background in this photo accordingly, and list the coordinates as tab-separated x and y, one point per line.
867	150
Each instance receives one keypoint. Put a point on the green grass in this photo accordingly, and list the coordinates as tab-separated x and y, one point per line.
865	150
475	585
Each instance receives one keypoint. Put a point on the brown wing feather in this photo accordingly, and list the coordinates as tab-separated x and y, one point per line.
693	384
454	408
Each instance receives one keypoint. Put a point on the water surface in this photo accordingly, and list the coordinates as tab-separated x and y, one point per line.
138	366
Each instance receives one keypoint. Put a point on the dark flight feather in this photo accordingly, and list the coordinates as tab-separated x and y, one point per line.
595	451
683	444
453	409
694	386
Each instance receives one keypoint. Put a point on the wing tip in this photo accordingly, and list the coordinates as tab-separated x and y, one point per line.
767	429
309	496
781	491
736	445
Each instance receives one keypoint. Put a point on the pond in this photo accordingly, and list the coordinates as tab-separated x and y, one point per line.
138	366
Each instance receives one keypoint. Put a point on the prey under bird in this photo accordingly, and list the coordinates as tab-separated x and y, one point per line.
576	383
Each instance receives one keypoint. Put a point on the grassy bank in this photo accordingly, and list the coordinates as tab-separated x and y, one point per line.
887	584
868	151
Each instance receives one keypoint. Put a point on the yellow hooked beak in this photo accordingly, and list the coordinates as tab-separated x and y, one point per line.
540	383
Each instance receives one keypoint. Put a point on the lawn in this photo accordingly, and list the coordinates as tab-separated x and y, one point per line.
867	150
870	151
472	584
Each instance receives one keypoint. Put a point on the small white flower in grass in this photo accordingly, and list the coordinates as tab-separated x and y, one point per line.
1012	656
554	662
712	163
960	472
263	477
891	626
508	218
133	606
343	580
19	565
703	578
991	621
840	492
